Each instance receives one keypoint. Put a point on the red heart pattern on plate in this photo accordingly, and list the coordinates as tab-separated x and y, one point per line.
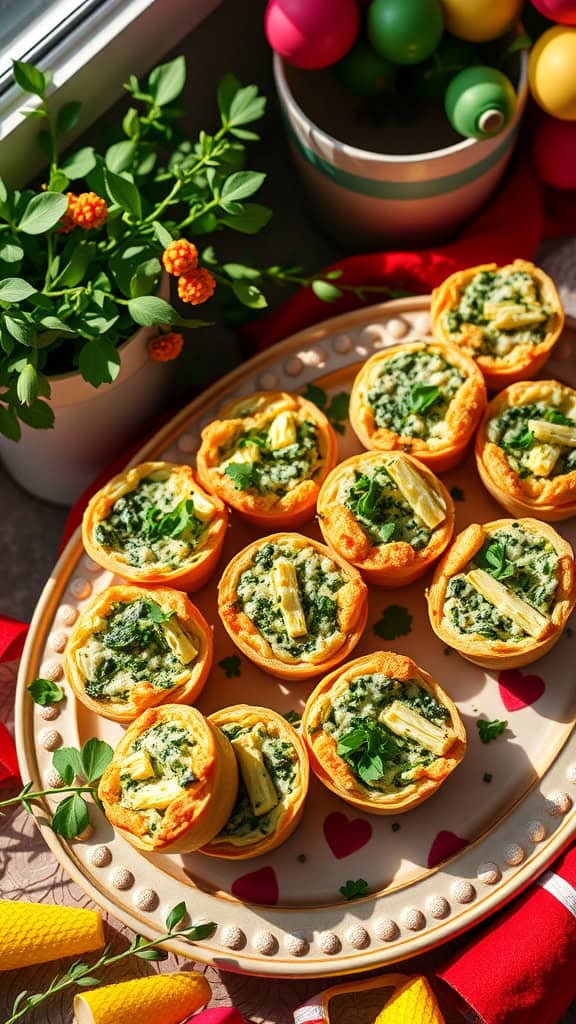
346	835
445	845
257	887
519	691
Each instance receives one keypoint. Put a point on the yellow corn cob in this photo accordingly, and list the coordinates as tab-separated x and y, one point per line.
162	999
33	933
413	1003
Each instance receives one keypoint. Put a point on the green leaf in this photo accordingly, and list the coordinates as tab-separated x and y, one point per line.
131	123
87	981
250	220
30	78
167	81
9	425
68	116
146	278
199	931
96	756
43	213
423	396
249	295
155	613
231	666
120	156
523	440
337	411
79	164
170	524
21	329
489	730
27	386
325	291
395	621
242	475
551	415
68	763
176	915
71	817
58	182
45	692
151	311
316	395
151	954
15	289
241	185
75	270
38	415
11	252
99	362
124	192
292	717
492	558
3	191
227	90
351	890
162	234
246	106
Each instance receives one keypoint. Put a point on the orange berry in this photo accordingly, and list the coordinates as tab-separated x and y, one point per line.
180	257
196	287
68	223
89	211
165	347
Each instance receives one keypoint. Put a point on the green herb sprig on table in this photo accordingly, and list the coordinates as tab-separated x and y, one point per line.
335	410
489	730
395	621
84	975
45	692
353	889
231	666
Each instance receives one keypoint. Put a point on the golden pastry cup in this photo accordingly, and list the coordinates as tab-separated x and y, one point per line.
396	563
462	415
143	694
196	570
246	715
530	358
352	601
548	499
495	654
200	813
267	511
333	771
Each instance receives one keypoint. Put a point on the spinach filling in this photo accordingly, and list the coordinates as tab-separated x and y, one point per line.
151	525
381	760
319	580
510	431
412	392
281	761
479	304
272	470
380	508
525	563
131	647
168	749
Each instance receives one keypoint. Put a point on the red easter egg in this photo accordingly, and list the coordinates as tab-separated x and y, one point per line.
311	33
562	11
554	152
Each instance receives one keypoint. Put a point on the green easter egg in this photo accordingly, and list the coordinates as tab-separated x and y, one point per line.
480	102
405	31
363	71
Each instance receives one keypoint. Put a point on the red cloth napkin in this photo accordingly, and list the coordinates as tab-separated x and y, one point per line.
520	968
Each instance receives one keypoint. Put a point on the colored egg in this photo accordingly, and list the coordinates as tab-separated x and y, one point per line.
311	33
363	71
480	20
563	11
480	102
552	72
405	31
554	152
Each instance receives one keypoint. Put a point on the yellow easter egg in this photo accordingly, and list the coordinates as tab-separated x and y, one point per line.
552	72
480	20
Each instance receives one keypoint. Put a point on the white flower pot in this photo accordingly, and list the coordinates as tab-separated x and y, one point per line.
91	426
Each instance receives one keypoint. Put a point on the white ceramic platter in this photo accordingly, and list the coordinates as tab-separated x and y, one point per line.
493	826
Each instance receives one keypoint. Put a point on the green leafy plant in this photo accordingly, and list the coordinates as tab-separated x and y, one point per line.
423	396
365	749
45	692
493	560
231	666
489	730
84	975
395	621
353	889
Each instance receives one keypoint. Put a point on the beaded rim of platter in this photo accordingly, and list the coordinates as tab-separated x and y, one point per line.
278	940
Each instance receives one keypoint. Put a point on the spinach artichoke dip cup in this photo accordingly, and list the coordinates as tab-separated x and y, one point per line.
423	398
387	514
153	523
292	606
506	318
134	648
382	733
267	456
526	449
503	592
172	783
274	775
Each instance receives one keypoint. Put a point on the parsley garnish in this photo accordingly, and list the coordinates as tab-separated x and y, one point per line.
351	890
155	613
292	717
487	777
457	493
364	749
170	524
496	563
231	666
45	692
423	396
490	730
241	474
336	411
523	440
554	416
395	621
